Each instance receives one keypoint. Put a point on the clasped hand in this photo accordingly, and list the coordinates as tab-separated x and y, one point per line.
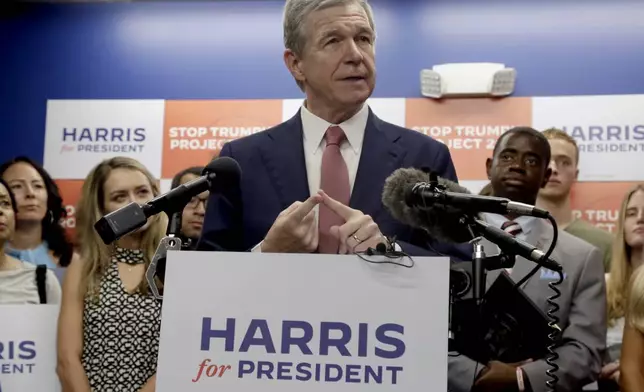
610	371
498	376
296	231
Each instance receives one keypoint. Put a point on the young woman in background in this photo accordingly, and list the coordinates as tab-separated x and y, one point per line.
18	279
632	367
628	256
39	236
108	334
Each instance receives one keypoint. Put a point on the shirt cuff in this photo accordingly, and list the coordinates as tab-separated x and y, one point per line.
257	248
521	384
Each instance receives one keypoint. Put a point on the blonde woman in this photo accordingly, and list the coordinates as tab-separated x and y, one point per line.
108	330
628	255
632	378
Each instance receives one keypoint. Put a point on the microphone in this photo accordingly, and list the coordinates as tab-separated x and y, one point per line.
219	174
422	195
513	245
383	248
443	220
440	222
438	206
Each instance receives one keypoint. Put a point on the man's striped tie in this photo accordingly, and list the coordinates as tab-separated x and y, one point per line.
513	228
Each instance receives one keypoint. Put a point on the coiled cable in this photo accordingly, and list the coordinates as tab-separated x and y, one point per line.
554	335
553	322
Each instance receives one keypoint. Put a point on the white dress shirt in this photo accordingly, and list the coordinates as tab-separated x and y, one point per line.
314	128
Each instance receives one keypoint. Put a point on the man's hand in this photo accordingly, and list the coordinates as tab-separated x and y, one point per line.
359	231
295	230
610	371
498	376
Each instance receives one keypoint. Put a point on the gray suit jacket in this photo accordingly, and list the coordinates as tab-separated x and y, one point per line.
582	313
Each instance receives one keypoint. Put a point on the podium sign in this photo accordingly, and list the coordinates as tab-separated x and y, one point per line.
28	348
292	322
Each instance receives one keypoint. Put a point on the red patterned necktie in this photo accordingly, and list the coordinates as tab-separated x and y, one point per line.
335	182
511	227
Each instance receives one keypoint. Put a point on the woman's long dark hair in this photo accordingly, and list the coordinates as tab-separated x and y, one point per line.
52	231
176	181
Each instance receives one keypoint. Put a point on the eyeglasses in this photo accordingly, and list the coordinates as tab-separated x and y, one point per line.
194	202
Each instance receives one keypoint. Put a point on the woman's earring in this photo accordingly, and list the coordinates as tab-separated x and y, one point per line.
51	217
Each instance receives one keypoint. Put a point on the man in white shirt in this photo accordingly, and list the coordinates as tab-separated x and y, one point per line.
335	153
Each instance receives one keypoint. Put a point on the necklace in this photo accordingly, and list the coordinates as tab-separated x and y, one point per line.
129	257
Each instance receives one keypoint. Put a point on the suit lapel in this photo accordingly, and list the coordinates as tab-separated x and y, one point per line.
380	156
541	238
283	157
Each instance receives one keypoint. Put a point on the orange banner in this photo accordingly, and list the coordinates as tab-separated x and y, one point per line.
599	202
469	127
70	191
195	131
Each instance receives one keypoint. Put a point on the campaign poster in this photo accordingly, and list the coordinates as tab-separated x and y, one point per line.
303	322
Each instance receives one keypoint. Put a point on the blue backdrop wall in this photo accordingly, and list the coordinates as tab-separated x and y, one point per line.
230	50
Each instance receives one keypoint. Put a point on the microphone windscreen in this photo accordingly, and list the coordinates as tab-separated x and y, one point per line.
227	170
439	221
396	191
451	186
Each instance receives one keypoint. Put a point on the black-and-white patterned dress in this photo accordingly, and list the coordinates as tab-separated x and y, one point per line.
121	332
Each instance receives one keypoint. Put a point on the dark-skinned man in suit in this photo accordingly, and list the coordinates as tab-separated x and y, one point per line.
517	170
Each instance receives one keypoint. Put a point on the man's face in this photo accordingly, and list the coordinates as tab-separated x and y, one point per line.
337	62
564	170
518	169
194	212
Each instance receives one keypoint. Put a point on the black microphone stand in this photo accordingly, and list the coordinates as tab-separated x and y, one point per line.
171	241
219	174
481	263
476	279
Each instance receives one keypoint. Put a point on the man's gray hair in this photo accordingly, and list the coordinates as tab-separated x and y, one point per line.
296	12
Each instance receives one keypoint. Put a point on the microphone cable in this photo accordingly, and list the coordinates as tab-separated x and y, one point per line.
553	322
554	336
391	255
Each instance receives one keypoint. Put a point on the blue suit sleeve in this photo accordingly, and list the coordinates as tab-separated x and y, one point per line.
222	230
443	164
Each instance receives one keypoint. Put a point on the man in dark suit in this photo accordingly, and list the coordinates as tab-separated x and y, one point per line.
518	169
333	155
